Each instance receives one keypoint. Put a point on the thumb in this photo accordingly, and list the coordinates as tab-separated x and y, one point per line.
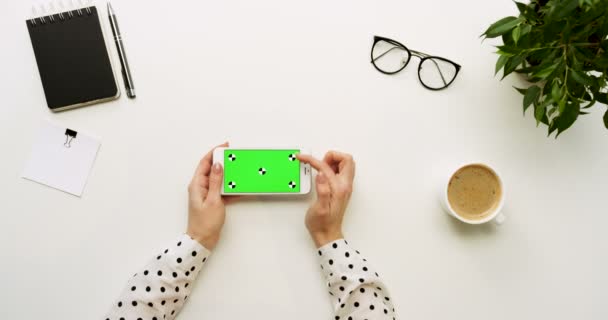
215	182
323	190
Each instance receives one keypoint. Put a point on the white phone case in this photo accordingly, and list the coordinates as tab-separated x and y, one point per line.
305	171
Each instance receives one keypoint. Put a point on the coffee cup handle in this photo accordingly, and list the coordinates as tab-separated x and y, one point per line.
500	218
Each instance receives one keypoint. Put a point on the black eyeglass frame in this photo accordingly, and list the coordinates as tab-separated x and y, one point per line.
422	56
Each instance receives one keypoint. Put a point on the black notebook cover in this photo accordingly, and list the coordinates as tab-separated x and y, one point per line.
72	59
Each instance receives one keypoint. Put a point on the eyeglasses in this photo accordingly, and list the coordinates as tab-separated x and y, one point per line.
390	57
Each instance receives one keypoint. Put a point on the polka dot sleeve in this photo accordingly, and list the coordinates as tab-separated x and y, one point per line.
356	290
160	290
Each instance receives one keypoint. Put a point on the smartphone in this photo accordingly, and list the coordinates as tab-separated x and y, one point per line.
249	171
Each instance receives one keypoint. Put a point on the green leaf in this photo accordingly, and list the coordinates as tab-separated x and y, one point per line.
551	111
516	33
556	92
583	54
551	31
544	73
530	96
602	62
589	16
567	32
563	8
561	105
566	118
606	119
540	111
502	60
589	105
552	127
525	29
527	11
507	39
602	97
581	77
508	50
513	63
520	90
521	7
528	70
588	97
501	26
557	74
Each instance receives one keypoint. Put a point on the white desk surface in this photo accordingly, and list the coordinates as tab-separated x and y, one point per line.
283	73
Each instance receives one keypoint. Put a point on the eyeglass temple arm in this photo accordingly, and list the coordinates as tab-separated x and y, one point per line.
434	62
387	51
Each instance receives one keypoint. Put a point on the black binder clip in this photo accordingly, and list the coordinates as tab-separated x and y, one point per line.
69	136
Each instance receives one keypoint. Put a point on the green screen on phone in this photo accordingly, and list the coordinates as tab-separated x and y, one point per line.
261	171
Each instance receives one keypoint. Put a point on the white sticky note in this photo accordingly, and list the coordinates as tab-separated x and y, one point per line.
60	162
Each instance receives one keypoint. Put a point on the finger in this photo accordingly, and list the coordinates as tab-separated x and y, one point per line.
204	192
336	157
204	165
333	165
319	165
344	162
323	190
215	182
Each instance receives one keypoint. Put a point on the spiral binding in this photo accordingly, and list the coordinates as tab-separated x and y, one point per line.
52	13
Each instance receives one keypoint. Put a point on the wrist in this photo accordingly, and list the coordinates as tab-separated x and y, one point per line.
207	241
322	238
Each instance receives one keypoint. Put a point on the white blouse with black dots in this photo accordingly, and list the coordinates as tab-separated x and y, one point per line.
160	290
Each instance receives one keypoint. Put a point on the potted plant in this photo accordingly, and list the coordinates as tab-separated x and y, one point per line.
561	47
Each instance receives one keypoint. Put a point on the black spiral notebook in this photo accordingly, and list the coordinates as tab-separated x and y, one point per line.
73	60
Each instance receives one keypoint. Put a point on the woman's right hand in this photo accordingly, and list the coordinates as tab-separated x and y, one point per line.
334	183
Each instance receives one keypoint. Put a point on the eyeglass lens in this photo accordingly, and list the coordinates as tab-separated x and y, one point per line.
436	73
389	57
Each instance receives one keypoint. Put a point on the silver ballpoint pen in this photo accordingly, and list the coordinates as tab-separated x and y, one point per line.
122	55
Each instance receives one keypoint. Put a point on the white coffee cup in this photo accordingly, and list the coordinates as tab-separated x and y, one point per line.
496	215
